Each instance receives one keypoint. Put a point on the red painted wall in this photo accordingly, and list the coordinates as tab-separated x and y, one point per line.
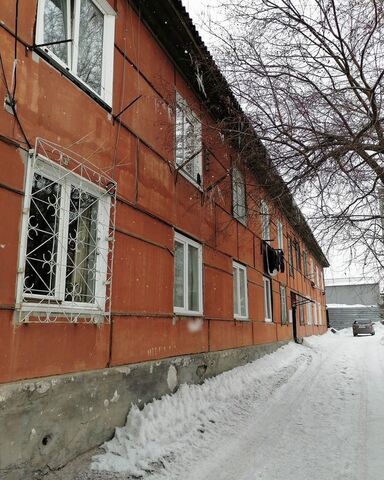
138	153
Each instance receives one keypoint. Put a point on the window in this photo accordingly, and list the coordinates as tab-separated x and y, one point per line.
280	236
301	314
314	305
79	35
305	263
239	196
264	210
311	270
319	314
283	305
188	142
267	300
309	312
65	242
188	276
240	291
298	256
290	258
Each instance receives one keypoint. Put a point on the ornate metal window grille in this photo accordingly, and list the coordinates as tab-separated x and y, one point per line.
65	271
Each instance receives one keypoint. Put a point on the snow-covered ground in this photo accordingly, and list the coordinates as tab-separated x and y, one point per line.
312	411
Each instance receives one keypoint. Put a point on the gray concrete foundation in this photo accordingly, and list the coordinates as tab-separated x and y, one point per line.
45	423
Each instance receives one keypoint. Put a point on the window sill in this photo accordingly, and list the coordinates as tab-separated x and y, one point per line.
243	221
188	314
67	73
241	319
190	180
44	313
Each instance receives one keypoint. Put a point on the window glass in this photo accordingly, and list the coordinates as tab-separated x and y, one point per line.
298	256
179	275
81	250
267	300
43	229
239	195
283	305
188	141
193	278
90	60
290	258
243	295
55	27
265	221
309	312
240	294
280	237
235	292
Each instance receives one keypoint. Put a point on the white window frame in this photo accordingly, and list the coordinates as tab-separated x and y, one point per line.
187	113
319	316
309	312
73	27
268	309
237	267
265	221
56	303
280	235
238	182
283	305
185	310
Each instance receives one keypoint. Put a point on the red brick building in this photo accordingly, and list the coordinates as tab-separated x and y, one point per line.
131	228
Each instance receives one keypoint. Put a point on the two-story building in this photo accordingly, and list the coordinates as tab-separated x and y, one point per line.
142	244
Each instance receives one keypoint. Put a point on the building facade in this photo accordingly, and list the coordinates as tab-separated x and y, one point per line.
131	228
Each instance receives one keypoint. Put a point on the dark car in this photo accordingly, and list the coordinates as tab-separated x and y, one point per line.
363	326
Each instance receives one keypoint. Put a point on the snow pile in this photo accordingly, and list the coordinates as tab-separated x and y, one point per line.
155	435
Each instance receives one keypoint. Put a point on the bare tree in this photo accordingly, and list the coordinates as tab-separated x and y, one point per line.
309	74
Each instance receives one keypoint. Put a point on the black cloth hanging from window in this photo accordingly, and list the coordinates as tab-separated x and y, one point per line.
273	260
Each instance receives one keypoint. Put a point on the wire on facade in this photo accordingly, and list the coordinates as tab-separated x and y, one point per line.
126	108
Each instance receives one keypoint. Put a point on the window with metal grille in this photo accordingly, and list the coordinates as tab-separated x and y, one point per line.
239	205
65	261
79	36
188	142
